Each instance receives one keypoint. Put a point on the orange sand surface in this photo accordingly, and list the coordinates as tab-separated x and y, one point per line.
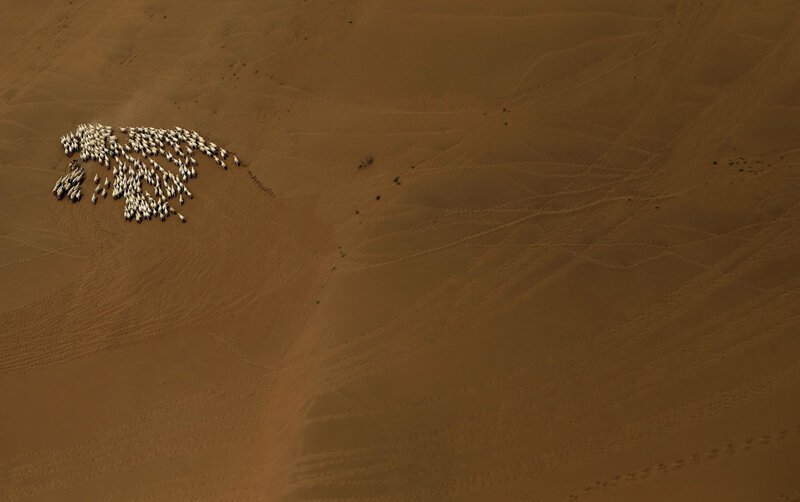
579	283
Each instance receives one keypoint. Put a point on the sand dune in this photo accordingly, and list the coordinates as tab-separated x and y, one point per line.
571	272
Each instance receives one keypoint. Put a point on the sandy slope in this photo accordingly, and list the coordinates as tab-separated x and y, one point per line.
582	286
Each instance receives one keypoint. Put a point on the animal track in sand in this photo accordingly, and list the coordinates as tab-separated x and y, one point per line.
662	468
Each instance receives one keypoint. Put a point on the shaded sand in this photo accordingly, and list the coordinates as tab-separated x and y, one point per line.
580	281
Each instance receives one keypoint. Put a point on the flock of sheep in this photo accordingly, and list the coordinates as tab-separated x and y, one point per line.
134	163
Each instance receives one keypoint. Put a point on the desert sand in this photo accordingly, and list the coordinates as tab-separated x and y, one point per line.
570	273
